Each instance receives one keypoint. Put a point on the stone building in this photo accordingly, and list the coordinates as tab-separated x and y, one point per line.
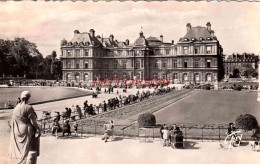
196	58
235	65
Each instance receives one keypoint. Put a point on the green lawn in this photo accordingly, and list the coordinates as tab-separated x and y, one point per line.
39	94
211	107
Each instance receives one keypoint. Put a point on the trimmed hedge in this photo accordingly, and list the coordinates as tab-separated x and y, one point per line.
146	119
247	122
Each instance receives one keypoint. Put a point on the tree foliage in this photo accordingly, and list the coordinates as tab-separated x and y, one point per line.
146	119
19	57
246	121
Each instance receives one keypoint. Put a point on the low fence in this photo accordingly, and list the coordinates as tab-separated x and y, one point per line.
96	127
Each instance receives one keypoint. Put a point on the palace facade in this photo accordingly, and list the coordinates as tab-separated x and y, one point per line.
195	58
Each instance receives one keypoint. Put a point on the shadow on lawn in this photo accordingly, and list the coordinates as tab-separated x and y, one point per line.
72	137
190	145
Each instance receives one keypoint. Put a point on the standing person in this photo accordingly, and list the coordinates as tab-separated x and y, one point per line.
162	127
79	111
18	101
25	131
165	132
105	106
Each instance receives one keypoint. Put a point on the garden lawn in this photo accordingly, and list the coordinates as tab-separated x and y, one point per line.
211	107
39	94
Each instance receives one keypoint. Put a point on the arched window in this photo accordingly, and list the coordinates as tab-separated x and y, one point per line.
68	77
115	75
77	77
138	76
208	77
197	77
185	77
86	77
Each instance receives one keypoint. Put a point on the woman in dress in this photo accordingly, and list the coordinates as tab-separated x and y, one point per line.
25	131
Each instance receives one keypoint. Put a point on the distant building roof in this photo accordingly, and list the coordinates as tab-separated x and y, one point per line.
197	33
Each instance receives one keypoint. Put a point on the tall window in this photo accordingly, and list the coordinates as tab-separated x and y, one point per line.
138	76
208	77
106	75
115	64
142	63
77	64
68	64
124	75
115	75
77	78
86	64
156	64
86	53
175	76
106	65
185	77
185	50
196	65
77	53
164	75
124	64
164	64
137	64
197	77
208	63
86	77
154	75
68	77
168	52
196	50
175	63
185	64
208	49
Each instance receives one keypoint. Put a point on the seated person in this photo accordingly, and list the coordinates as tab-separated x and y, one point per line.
231	130
66	128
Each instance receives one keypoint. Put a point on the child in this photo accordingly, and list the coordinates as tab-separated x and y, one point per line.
75	126
165	132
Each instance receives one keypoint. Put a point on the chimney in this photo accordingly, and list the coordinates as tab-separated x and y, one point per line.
212	33
208	26
161	38
111	38
92	33
172	41
188	26
127	42
76	32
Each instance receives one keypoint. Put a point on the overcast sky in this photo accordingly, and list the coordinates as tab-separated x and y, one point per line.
236	25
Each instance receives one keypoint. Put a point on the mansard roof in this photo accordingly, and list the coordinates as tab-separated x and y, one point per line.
197	33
